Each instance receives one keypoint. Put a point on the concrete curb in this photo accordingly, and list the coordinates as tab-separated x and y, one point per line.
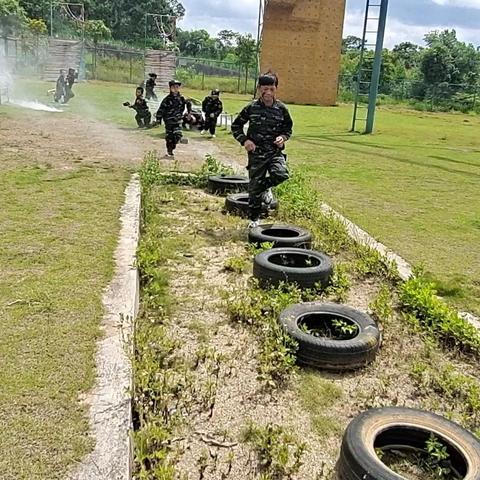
404	268
110	401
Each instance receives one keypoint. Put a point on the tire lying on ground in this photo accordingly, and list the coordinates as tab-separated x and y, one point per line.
224	184
402	429
237	204
281	236
306	268
331	336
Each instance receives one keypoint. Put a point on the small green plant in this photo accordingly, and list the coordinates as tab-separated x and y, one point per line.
336	329
381	307
236	264
340	283
279	453
438	457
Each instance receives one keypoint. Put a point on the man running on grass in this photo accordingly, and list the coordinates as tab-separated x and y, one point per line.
270	126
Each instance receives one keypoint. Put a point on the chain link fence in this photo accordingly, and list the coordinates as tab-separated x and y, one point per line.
417	94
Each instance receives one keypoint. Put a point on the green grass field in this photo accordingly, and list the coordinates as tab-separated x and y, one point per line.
413	185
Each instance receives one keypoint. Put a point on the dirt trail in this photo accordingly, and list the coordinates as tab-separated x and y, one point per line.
65	142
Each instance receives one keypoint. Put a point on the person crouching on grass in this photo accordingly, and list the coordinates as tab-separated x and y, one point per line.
171	112
270	126
143	116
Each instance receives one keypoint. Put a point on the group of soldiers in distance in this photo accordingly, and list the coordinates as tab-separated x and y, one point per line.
175	111
269	127
63	89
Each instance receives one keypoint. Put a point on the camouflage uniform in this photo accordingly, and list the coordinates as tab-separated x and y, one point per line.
212	105
143	116
171	112
150	89
265	125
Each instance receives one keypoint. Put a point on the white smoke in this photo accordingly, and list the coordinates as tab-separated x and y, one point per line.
34	105
7	91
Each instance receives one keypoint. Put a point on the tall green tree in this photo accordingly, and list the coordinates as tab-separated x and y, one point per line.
12	16
448	60
246	52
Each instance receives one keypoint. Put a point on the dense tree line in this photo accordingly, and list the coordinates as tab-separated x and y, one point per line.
444	59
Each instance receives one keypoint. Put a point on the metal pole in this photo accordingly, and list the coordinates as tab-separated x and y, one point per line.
51	19
259	38
377	64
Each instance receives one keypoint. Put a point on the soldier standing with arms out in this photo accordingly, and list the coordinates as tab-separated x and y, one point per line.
270	126
171	112
212	107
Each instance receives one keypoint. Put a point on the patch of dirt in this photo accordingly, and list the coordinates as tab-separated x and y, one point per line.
65	142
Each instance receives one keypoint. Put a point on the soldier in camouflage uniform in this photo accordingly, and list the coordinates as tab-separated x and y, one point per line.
212	107
171	112
143	115
270	126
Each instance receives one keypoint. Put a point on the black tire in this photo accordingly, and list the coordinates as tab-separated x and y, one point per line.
353	351
224	184
408	428
237	204
306	268
281	236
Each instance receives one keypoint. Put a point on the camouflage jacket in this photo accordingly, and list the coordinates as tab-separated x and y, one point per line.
140	105
212	105
265	124
171	109
150	85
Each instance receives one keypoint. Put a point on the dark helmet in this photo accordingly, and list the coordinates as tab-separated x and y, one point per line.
153	75
216	92
171	83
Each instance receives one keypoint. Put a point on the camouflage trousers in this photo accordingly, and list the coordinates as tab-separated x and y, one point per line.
265	170
173	135
143	118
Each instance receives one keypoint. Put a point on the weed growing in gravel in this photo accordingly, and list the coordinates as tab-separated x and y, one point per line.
237	264
382	307
418	298
340	283
279	453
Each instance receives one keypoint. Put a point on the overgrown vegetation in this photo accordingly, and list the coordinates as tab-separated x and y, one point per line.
260	309
418	299
152	174
447	385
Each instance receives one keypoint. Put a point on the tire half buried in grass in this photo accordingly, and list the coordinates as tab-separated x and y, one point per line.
376	432
224	184
305	268
280	236
331	336
237	204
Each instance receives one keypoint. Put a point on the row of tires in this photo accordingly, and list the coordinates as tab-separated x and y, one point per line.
337	337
